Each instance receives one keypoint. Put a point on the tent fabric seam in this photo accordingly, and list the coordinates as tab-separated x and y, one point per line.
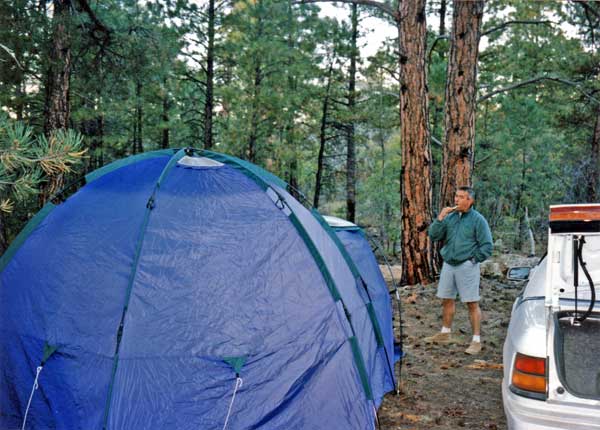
263	183
353	228
47	208
370	309
98	173
140	241
362	370
337	242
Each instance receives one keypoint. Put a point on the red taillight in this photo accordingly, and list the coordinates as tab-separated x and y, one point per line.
529	373
533	365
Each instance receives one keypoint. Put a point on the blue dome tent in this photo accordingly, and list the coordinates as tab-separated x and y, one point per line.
354	241
187	290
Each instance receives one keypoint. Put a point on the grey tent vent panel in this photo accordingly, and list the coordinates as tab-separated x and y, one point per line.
198	162
336	222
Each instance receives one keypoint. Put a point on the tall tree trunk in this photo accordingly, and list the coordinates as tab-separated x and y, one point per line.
437	118
322	138
3	235
139	113
461	88
417	256
443	5
253	136
256	91
20	95
594	173
209	97
530	236
20	88
292	178
94	130
519	200
134	138
58	80
98	157
386	212
290	121
164	143
351	144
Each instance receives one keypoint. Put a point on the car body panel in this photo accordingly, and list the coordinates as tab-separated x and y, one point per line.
530	414
531	331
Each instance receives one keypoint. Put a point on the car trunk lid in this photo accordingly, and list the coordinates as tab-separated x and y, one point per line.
573	316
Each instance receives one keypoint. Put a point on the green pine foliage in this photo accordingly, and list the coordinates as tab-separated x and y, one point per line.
26	160
143	87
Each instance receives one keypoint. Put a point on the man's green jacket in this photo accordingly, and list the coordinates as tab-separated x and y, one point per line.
465	235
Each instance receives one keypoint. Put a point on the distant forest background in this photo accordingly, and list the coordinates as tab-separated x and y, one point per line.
503	95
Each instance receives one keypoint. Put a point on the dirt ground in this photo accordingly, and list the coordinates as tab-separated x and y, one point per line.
442	387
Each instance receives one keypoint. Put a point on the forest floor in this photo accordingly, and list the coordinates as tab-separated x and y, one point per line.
442	388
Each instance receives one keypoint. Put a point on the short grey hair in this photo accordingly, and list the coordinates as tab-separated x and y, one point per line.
469	190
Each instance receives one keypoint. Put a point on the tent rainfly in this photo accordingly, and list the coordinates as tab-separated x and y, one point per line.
186	289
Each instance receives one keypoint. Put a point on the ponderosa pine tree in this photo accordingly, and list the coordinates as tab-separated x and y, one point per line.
460	101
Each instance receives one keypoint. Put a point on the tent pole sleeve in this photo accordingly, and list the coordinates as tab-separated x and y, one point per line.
264	185
138	250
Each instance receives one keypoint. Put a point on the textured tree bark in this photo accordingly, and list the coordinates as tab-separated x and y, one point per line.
3	235
164	143
58	80
253	136
519	200
417	256
209	96
94	129
134	138
258	77
20	96
138	145
461	89
291	113
322	139
19	76
594	175
443	5
351	143
58	77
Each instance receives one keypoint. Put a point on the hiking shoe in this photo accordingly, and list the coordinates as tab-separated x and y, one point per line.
474	348
439	338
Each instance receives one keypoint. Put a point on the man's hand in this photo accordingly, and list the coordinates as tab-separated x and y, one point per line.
444	212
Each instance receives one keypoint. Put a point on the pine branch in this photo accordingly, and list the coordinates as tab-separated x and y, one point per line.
587	7
12	55
534	81
437	39
436	141
98	25
393	73
515	22
483	159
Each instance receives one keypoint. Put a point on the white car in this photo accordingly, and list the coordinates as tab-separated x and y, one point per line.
552	348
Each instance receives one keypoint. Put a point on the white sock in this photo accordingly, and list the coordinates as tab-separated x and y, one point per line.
446	330
476	338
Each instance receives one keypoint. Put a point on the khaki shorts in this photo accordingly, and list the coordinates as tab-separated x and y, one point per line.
462	280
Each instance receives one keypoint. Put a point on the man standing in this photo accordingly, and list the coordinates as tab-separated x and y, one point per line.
467	242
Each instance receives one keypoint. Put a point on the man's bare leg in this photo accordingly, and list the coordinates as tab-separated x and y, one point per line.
475	317
444	336
448	309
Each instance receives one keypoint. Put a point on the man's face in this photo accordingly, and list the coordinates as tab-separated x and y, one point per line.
463	200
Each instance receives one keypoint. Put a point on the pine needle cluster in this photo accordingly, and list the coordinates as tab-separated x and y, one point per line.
27	160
